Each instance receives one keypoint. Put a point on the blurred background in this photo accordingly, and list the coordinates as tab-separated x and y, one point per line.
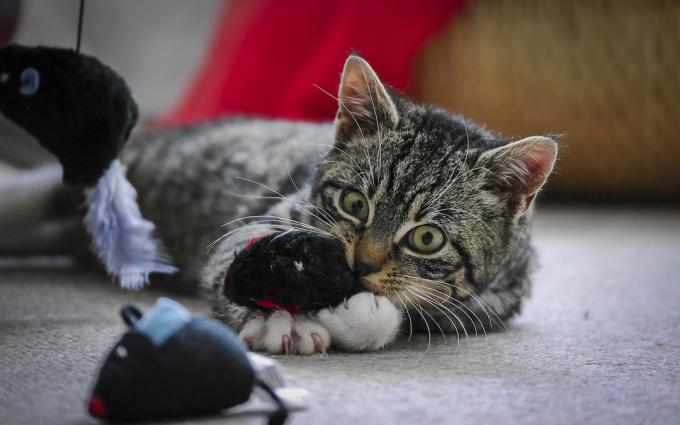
599	339
603	74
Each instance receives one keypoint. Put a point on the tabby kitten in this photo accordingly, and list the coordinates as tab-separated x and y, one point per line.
433	212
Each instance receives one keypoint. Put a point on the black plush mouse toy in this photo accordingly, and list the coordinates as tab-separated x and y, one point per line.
78	108
295	270
174	364
82	111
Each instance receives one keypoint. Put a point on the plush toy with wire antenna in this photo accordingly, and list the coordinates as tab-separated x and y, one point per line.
82	111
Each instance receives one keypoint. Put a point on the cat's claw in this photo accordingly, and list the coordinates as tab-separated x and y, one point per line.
286	344
319	344
311	337
282	333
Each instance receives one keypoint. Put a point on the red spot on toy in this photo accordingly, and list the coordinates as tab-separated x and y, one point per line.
271	305
252	241
293	308
268	305
97	407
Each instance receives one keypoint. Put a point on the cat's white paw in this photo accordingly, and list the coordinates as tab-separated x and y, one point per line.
365	322
283	333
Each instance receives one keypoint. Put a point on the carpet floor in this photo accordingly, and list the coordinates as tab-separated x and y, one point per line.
598	342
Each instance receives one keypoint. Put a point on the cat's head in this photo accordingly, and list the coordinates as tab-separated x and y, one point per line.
427	204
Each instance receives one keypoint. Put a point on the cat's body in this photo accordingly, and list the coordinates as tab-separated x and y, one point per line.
433	212
193	181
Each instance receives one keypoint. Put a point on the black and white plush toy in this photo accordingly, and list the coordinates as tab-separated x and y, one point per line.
295	270
82	111
171	363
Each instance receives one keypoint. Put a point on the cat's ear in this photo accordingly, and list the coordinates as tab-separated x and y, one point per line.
364	107
519	169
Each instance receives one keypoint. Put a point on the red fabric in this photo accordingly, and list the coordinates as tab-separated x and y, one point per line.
252	241
268	54
97	407
271	305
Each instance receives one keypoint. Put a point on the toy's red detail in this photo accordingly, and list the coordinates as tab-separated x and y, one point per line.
252	241
97	407
293	308
267	55
268	305
271	305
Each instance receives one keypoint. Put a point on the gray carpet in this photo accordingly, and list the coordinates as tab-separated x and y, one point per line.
599	341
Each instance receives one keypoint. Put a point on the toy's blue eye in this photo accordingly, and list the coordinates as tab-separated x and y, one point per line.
30	81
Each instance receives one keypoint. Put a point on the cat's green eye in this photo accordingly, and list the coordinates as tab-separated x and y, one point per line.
355	204
425	239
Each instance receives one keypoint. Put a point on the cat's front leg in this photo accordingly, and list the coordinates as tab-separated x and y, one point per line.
366	322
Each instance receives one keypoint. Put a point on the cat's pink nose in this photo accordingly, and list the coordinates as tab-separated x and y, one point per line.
365	268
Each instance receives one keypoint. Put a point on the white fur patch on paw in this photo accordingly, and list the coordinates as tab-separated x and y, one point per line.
282	333
252	333
278	333
367	322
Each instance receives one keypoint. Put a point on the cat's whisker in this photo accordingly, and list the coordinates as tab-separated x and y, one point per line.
228	235
443	310
458	305
418	298
306	202
427	326
436	304
297	189
285	198
270	223
295	205
288	221
251	227
410	322
451	300
275	225
274	217
478	300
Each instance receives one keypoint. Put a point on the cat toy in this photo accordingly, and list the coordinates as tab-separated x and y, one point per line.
173	364
82	111
298	271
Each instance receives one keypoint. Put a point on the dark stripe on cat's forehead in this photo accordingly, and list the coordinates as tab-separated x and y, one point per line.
404	151
467	263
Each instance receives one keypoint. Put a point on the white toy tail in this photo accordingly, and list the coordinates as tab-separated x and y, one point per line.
121	237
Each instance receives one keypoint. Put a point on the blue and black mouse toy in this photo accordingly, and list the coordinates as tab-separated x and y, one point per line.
170	364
